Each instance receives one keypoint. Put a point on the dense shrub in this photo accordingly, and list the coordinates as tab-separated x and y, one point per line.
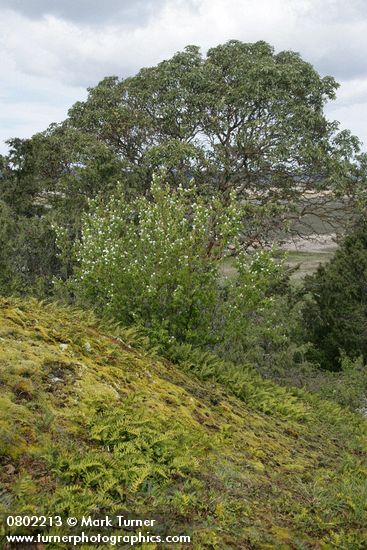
28	258
336	312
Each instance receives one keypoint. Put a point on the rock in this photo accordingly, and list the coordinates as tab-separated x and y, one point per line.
87	347
54	379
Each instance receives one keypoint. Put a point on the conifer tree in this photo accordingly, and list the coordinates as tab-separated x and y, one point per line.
336	314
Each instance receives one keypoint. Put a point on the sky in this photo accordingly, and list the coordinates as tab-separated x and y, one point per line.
52	50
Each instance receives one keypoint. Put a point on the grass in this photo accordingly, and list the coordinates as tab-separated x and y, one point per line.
307	262
91	422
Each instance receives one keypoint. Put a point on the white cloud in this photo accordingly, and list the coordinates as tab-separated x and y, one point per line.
352	92
22	119
352	117
29	104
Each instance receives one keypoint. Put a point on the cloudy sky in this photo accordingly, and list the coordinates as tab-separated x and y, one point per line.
51	50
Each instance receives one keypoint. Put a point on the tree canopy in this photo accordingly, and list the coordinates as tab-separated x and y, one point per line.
242	117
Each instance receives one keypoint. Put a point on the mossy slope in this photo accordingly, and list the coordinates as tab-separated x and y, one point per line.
90	425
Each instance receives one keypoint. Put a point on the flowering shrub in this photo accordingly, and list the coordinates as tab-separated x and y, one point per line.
155	261
253	312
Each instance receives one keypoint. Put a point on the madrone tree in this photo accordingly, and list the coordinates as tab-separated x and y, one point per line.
240	118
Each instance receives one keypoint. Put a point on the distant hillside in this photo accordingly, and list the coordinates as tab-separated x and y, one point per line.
90	424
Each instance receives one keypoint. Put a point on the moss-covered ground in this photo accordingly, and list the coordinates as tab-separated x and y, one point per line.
91	424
